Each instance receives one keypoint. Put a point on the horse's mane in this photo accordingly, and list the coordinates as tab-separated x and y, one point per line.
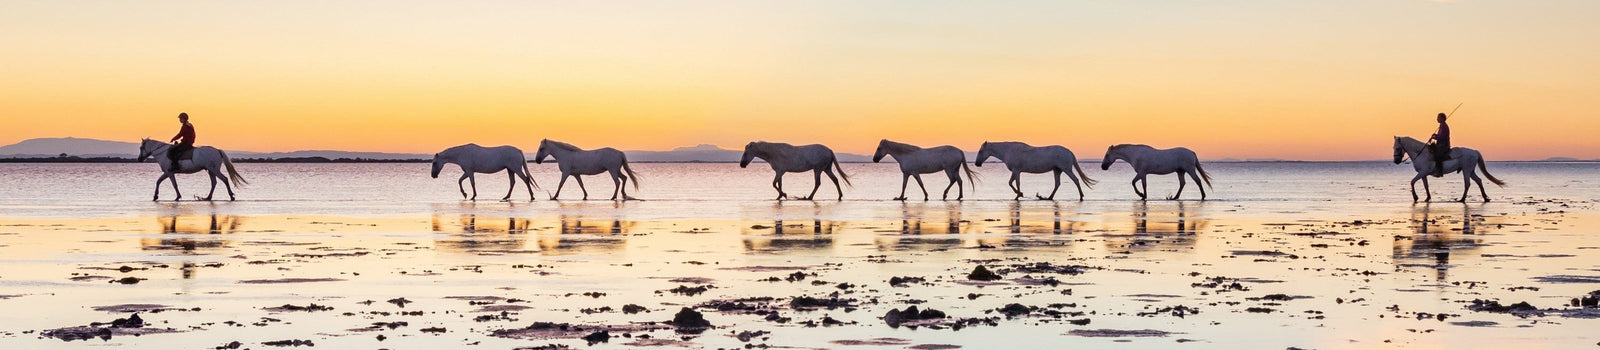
896	147
561	145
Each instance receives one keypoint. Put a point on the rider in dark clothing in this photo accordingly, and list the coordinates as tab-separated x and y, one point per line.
1441	146
184	141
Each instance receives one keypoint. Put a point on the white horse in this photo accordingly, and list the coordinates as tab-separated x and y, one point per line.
1023	158
475	159
575	161
786	158
1422	160
207	158
1148	160
915	161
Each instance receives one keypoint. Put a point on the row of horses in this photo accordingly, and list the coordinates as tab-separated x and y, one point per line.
820	160
914	161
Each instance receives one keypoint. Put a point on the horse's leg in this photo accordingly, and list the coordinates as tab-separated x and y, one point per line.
618	181
919	185
473	179
1481	191
1427	190
836	187
1052	196
559	185
581	187
461	186
1135	184
1016	184
1466	181
955	179
174	179
1197	184
227	184
159	179
1414	179
816	177
511	178
1181	183
212	174
905	179
527	182
623	185
777	184
1144	182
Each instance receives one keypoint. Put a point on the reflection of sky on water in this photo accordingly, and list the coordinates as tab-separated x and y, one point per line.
1424	258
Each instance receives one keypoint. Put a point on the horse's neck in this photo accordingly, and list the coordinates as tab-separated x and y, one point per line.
1004	151
1412	146
896	148
767	150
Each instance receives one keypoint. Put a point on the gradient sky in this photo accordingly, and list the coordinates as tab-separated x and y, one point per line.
1313	80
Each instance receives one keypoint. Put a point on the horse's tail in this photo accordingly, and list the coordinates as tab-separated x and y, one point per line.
629	170
841	172
1203	174
1485	170
971	175
239	181
1086	180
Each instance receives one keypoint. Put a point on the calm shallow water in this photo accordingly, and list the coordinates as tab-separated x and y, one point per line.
385	231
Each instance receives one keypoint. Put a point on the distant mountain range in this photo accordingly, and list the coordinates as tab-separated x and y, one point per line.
87	148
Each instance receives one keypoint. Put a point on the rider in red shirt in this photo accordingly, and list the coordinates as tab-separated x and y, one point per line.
184	141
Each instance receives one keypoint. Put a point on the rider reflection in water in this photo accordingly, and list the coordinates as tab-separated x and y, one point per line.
184	141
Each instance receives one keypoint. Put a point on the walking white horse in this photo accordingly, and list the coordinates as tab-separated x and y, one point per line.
915	161
1149	160
1422	160
1023	158
786	158
207	158
575	161
475	159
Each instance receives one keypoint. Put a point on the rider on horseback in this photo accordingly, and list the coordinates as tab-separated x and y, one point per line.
184	141
1440	144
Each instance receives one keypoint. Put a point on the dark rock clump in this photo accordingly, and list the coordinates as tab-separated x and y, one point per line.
689	321
982	274
897	317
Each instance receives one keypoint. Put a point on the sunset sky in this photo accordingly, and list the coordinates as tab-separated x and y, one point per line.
1312	80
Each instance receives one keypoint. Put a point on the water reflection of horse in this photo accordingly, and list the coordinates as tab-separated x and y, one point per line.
1173	226
577	233
812	233
199	237
921	230
181	225
1436	238
470	234
913	215
1057	225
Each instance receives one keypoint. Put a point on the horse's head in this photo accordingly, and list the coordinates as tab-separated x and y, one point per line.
984	152
438	164
749	154
1111	157
148	148
1399	151
538	157
883	150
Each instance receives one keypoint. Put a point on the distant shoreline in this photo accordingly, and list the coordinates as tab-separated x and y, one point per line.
322	160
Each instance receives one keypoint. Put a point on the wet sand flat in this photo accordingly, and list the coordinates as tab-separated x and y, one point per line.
980	274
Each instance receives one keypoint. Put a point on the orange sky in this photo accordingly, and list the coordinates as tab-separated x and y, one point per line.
1314	80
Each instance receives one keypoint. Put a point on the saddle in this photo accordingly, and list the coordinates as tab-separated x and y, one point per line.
186	155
